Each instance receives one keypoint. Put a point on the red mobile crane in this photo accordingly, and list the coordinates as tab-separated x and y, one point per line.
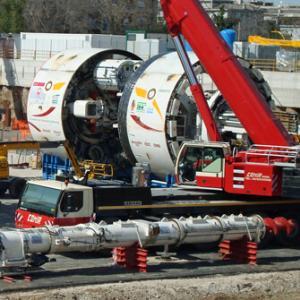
264	169
188	18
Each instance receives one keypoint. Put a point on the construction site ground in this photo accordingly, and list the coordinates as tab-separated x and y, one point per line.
188	274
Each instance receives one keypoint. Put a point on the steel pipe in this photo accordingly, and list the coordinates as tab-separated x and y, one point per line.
21	247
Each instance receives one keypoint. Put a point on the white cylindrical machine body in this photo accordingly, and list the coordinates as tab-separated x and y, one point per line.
17	245
61	96
157	113
46	99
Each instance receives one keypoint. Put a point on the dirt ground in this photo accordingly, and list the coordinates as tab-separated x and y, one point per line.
285	285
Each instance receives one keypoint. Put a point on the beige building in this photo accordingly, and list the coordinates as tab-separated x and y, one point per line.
216	3
248	20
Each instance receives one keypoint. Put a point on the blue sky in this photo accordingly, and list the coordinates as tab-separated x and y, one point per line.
287	1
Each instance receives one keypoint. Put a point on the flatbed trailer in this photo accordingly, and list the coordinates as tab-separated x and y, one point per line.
175	202
70	204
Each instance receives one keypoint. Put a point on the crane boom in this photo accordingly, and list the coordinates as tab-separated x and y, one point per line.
191	20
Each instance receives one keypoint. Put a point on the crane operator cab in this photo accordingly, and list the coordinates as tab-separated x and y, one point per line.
202	164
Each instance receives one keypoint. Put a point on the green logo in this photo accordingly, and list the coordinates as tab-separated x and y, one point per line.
141	107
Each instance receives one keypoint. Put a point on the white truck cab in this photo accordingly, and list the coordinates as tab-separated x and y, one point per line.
46	202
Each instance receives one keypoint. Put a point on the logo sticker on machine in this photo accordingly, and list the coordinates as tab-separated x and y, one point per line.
48	85
37	95
34	219
150	110
55	99
58	86
141	107
147	105
257	176
40	84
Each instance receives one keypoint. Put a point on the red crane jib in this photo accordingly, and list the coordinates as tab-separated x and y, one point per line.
191	20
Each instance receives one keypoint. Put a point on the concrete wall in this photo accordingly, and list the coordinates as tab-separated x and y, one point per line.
16	77
17	72
285	86
41	46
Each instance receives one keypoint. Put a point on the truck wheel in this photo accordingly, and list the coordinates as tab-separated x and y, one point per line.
96	153
16	188
220	107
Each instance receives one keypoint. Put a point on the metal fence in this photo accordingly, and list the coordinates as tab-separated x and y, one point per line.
37	54
271	65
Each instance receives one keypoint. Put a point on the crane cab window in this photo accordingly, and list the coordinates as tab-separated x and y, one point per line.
188	164
72	201
200	159
212	160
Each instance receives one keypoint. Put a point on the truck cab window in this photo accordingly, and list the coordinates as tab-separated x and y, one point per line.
40	199
72	201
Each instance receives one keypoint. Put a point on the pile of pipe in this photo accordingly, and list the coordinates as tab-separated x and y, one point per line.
23	248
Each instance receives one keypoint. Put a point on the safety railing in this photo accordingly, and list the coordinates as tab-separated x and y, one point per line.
37	54
276	155
97	169
264	64
270	65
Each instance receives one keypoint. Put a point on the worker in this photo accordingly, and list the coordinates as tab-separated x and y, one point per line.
192	162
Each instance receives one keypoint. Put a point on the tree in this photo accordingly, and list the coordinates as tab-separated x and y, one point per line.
11	15
89	16
221	22
68	16
219	18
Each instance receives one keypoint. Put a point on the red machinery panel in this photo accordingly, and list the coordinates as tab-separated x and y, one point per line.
253	179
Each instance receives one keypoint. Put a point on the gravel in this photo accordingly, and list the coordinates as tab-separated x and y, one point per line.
246	286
